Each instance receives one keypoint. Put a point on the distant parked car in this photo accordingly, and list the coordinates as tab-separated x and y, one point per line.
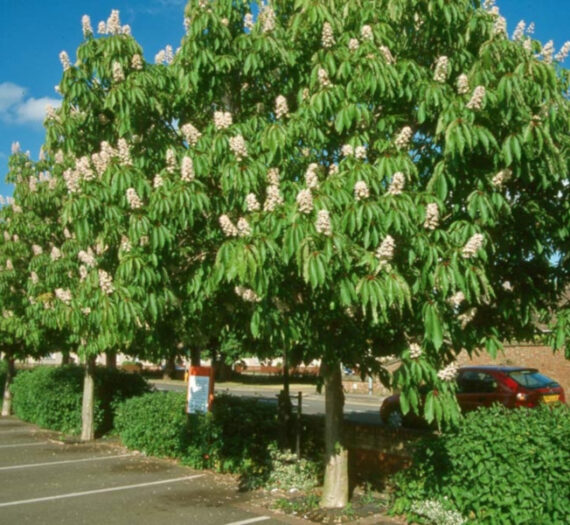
482	386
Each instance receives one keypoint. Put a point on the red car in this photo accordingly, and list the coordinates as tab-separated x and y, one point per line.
481	386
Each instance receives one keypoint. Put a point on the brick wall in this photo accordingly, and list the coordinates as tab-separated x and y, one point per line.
555	366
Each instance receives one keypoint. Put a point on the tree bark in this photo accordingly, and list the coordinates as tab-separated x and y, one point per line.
195	356
7	398
111	359
65	357
335	489
169	367
87	411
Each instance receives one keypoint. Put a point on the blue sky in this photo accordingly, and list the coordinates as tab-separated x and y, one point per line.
33	32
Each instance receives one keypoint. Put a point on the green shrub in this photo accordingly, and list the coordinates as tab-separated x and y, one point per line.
2	380
51	397
500	466
237	436
154	423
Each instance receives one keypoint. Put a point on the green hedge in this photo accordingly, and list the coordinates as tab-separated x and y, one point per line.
51	397
236	437
499	467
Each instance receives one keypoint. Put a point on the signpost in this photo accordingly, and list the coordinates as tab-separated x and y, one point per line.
200	389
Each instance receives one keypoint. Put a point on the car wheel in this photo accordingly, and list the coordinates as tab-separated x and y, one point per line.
395	419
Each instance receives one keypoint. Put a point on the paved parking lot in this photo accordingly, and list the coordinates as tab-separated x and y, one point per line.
46	481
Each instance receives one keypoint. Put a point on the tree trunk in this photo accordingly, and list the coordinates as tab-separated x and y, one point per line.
87	411
335	490
7	399
111	359
195	356
169	367
284	408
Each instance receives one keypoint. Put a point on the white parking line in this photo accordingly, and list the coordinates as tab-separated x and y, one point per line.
66	461
252	520
35	444
98	491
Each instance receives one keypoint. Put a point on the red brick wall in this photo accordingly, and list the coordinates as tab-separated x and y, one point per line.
555	366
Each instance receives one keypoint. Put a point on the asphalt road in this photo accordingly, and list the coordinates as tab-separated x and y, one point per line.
358	408
47	482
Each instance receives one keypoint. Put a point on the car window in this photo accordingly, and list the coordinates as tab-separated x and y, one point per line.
532	379
473	382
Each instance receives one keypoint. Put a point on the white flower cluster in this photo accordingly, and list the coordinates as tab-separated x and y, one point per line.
500	27
243	227
15	148
37	250
124	152
456	299
86	25
347	150
34	278
432	216
333	169
404	137
548	52
9	265
222	119
55	254
238	147
327	36
83	167
324	78
7	314
87	257
248	22
105	282
273	198
353	44
273	176
360	152
311	177
136	62
434	511
114	23
385	251
462	84
118	74
187	170
361	190
366	33
228	227
170	160
397	185
563	53
466	317
125	245
247	294
252	203
51	114
157	181
323	223
72	180
281	107
518	33
191	134
64	59
500	178
415	351
387	54
63	295
449	373
267	18
477	98
507	286
305	201
473	245
134	200
441	69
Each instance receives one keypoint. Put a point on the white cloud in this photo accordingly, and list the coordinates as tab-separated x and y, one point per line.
34	109
16	108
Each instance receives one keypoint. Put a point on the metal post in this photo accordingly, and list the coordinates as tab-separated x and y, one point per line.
298	430
370	385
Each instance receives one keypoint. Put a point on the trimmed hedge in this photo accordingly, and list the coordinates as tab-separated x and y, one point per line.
500	466
51	397
236	437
